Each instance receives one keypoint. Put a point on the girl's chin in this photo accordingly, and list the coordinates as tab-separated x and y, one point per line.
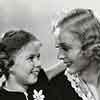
33	79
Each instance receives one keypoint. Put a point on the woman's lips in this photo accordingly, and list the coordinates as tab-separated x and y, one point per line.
68	63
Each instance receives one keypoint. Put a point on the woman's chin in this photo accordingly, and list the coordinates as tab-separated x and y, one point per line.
73	70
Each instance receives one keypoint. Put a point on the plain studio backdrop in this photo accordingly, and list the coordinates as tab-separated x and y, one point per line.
36	16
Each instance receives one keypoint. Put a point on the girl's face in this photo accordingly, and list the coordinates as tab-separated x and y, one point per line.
27	64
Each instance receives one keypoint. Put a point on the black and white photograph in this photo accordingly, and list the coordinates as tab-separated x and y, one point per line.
49	50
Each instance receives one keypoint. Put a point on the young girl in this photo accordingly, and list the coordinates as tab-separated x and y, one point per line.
20	63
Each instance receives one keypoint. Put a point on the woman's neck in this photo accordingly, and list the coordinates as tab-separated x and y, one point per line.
12	85
92	78
91	74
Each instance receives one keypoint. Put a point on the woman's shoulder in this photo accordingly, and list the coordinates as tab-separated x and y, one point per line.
61	87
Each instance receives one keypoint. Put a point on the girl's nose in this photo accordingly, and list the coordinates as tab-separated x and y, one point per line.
37	62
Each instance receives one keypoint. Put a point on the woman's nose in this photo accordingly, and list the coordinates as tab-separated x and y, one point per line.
61	55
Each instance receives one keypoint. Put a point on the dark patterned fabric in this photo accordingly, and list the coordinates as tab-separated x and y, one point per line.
61	88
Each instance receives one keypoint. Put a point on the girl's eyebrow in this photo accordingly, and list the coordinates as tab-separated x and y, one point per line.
33	55
38	55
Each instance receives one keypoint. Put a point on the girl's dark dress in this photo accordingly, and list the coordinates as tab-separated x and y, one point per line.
42	84
5	95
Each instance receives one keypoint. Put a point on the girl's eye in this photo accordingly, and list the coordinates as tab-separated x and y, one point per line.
31	57
38	56
34	56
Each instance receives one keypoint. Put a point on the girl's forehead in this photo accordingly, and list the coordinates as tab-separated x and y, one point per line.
33	45
30	48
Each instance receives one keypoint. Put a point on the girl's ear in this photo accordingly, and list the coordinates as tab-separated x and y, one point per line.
2	67
10	64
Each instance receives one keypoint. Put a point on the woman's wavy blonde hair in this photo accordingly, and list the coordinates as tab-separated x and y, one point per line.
85	25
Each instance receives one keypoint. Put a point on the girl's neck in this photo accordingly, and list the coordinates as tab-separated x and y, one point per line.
13	86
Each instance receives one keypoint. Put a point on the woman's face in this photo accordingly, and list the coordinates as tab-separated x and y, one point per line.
27	64
69	49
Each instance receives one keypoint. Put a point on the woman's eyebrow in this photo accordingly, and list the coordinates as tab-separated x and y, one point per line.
64	45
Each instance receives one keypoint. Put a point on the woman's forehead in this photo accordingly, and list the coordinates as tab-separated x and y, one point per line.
57	32
68	38
62	34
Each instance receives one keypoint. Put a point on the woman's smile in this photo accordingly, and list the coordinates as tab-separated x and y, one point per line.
68	63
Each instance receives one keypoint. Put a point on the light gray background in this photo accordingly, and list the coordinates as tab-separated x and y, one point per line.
36	16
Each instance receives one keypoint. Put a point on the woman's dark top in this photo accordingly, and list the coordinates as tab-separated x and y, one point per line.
62	89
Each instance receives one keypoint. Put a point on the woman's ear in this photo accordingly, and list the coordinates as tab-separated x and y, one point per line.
87	53
96	51
93	51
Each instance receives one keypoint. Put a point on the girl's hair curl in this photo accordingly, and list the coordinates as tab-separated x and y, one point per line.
4	60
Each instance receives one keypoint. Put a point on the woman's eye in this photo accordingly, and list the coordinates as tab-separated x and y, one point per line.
65	48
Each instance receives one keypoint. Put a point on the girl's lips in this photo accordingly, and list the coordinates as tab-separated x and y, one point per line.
36	73
35	70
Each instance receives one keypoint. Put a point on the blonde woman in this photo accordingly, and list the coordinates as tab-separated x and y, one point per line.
77	37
